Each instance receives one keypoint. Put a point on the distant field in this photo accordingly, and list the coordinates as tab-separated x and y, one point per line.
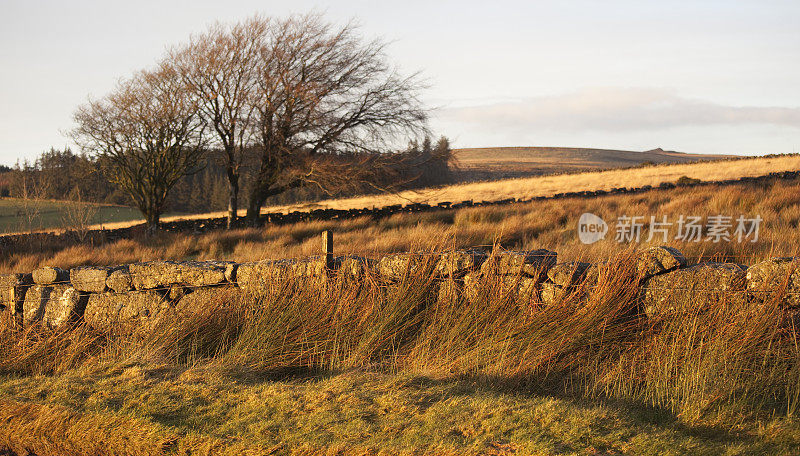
52	213
17	215
549	185
491	163
549	223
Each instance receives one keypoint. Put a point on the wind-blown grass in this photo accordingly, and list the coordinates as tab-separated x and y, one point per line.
735	364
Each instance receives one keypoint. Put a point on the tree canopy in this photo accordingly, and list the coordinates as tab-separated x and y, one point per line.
315	103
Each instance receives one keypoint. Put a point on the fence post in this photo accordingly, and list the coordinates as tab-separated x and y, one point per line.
327	248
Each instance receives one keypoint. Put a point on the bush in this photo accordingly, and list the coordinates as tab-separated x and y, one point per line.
686	180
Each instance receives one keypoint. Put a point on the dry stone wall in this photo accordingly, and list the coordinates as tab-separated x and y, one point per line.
122	297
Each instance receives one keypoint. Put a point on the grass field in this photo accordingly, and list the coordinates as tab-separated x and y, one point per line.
51	214
354	412
550	224
365	369
17	215
524	188
548	185
369	369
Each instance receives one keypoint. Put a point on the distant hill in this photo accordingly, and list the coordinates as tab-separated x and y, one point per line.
491	163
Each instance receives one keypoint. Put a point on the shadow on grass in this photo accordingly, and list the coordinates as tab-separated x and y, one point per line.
251	377
465	386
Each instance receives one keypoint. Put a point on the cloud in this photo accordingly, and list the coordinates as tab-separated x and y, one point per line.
616	109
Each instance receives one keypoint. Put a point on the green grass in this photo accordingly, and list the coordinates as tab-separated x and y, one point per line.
205	409
17	215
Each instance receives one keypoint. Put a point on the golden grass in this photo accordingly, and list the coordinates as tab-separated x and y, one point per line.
353	413
368	369
365	368
525	188
548	224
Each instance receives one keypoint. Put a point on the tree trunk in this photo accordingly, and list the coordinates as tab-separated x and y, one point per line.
259	192
233	201
254	209
153	219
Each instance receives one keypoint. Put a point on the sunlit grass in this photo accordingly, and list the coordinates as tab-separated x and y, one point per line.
550	224
166	409
366	367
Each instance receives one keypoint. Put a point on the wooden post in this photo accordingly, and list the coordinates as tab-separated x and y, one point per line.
327	248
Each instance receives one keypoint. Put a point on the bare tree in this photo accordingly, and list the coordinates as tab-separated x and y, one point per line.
322	92
78	215
218	68
146	134
32	192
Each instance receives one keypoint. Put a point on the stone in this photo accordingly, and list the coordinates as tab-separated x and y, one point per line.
472	285
259	276
202	273
355	267
449	292
120	280
658	260
154	274
592	274
397	266
568	274
36	300
573	296
205	298
551	293
457	263
53	305
65	308
522	289
774	275
160	274
12	292
526	290
531	263
230	272
176	292
309	267
50	275
90	278
122	313
692	289
15	279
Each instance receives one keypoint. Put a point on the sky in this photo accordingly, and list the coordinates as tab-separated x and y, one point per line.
694	76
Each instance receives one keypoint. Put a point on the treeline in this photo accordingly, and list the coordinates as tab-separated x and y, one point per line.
63	174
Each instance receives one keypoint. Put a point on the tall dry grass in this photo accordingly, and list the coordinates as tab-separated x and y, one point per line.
737	359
